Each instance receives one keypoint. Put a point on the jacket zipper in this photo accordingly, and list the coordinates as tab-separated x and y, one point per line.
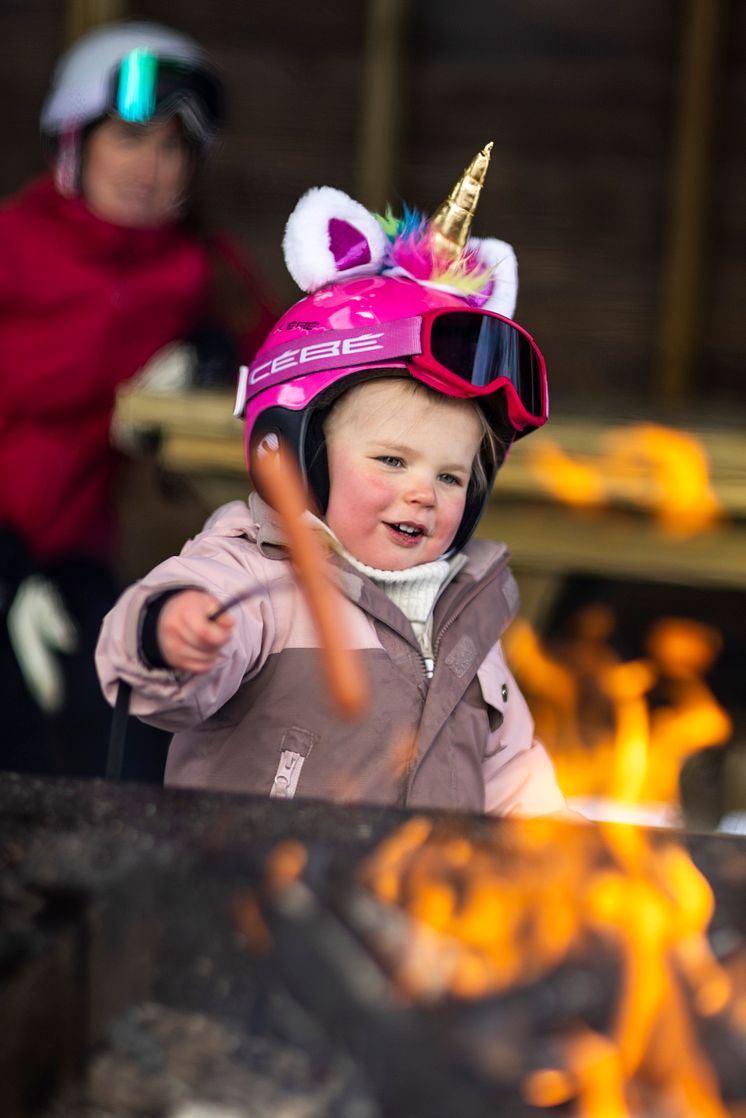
428	662
287	775
462	605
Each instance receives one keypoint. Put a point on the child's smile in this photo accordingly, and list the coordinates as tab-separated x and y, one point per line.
407	534
399	466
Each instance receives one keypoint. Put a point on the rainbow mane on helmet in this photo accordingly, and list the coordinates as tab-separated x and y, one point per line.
414	251
330	237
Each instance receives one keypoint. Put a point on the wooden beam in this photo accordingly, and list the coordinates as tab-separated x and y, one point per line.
553	541
684	280
82	15
380	99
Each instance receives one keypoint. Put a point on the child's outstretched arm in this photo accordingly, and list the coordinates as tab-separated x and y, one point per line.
188	640
182	664
159	638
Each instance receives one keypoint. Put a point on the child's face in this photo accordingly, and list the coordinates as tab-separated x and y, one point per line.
399	468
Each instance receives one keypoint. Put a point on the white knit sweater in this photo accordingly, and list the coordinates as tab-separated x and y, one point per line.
415	591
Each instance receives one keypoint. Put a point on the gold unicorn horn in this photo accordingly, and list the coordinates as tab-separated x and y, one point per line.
451	222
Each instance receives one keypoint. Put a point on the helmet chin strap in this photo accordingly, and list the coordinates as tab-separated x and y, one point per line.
67	162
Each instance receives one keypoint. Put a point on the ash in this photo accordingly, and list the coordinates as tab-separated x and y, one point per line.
161	1062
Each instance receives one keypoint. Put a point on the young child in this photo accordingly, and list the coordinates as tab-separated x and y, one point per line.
399	387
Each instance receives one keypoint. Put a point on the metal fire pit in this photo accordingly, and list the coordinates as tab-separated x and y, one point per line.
129	985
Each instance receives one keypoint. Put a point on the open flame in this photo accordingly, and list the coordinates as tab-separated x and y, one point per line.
640	718
484	920
642	465
487	920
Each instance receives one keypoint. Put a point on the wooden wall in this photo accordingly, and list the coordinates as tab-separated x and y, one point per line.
584	103
31	33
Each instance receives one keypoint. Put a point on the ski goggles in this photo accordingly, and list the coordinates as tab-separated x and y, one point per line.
479	353
466	354
145	86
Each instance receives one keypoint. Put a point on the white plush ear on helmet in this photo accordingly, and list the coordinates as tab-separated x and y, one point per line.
499	255
329	237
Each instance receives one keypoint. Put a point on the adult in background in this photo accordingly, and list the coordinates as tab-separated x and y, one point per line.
103	263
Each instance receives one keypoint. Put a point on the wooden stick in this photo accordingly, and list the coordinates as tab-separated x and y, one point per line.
279	481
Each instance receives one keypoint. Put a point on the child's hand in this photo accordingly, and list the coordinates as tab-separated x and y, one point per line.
188	640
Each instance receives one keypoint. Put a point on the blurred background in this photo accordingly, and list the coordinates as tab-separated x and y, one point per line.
619	175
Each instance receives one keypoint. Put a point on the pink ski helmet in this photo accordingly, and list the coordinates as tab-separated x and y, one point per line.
386	320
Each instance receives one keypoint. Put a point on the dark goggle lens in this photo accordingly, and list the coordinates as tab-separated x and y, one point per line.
481	349
147	86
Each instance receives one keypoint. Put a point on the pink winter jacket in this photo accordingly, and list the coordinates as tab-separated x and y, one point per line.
263	722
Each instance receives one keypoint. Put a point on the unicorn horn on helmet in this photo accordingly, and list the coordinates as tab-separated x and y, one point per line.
451	222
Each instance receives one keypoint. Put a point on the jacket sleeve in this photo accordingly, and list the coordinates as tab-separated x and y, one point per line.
176	700
519	777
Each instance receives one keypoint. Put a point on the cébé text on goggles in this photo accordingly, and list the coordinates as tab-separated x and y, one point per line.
311	355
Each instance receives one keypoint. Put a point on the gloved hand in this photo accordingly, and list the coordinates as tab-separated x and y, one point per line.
168	372
39	628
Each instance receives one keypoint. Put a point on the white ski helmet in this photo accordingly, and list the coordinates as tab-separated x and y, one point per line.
136	70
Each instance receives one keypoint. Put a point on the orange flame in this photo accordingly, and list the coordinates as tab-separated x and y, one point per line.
593	1072
644	464
682	495
573	481
479	917
634	750
479	924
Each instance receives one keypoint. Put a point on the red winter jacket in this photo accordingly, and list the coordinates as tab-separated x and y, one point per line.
84	304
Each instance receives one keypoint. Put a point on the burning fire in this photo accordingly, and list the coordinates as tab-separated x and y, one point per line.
485	918
643	718
643	464
639	718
